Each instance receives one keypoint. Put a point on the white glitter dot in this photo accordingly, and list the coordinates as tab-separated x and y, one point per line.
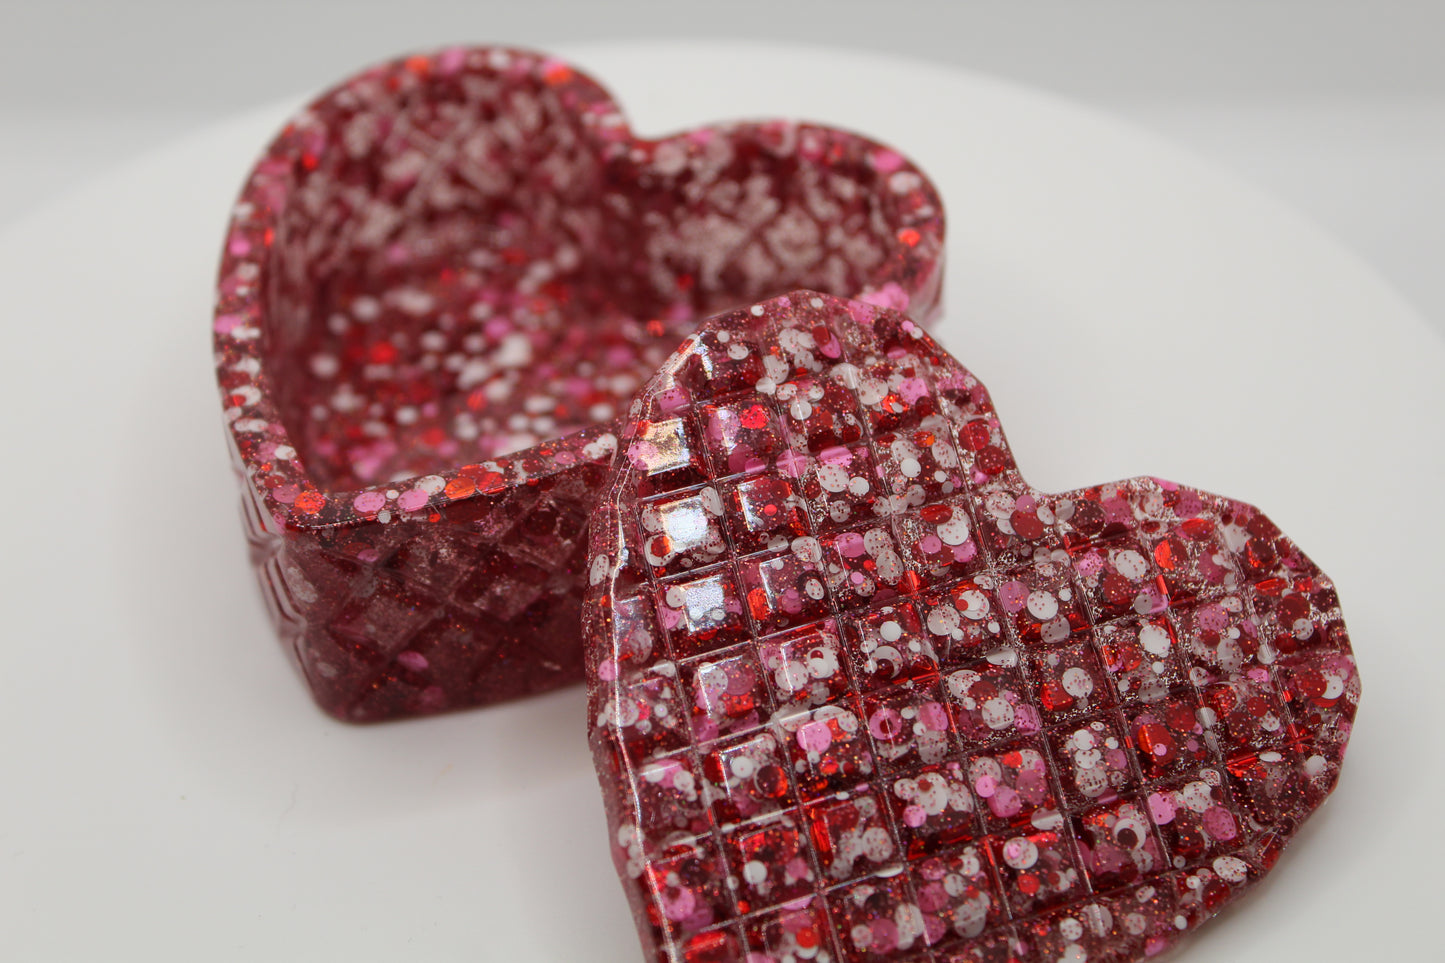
1231	869
1131	565
1154	639
998	713
1054	630
1077	682
1043	605
1020	852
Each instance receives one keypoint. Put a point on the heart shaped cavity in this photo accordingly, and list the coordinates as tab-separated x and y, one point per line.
442	283
858	692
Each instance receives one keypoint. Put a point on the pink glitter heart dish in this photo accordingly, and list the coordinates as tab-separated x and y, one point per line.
442	283
858	693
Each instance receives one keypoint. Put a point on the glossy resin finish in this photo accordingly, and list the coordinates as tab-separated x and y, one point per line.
442	283
858	692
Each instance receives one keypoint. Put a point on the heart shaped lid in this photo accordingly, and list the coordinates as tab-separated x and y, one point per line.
858	692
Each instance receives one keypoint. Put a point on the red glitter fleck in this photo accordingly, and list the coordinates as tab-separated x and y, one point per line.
1009	726
426	328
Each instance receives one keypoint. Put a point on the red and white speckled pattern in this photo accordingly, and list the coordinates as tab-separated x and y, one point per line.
442	283
858	692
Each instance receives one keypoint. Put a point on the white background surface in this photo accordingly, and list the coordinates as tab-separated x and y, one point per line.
1338	106
169	792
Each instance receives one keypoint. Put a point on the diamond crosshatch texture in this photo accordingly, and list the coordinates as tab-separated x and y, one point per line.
441	285
859	693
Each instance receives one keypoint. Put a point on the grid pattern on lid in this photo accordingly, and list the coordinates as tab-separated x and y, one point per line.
859	693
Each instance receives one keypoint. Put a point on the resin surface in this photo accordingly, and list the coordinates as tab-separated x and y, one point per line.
858	692
441	285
